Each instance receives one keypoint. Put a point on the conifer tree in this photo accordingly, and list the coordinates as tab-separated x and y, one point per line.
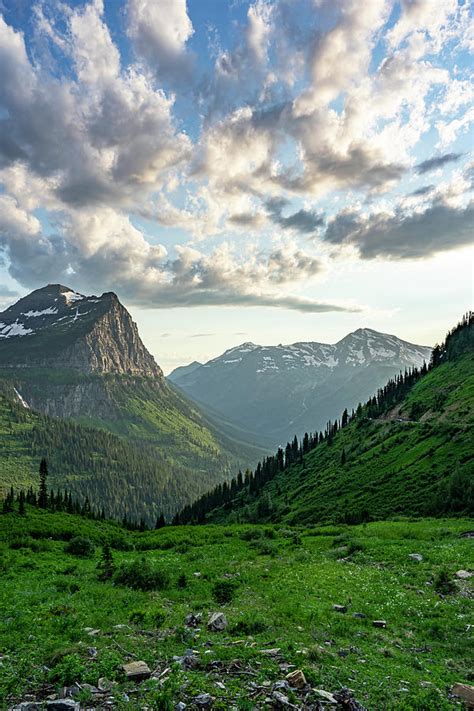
43	492
21	503
160	522
106	564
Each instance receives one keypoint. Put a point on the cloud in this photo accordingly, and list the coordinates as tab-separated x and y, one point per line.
159	32
437	162
118	129
402	235
303	221
424	190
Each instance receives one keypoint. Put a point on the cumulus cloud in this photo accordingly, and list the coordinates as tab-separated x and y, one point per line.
159	32
437	162
403	235
299	108
303	221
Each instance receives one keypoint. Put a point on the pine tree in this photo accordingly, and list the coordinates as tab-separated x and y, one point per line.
106	564
21	503
43	492
160	522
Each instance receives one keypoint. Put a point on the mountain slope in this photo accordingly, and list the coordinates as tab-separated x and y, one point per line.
410	450
74	357
276	391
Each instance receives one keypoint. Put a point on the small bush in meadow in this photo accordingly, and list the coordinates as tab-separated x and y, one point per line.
249	626
141	575
70	669
156	617
443	583
223	591
80	546
182	581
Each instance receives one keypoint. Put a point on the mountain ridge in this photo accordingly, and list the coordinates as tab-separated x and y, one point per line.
277	391
57	327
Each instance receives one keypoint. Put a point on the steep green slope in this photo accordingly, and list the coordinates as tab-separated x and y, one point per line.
412	455
145	411
123	477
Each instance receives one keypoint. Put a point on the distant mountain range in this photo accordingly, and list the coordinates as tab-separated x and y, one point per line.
76	357
278	391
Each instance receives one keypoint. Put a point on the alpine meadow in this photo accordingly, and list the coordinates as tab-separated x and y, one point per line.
236	355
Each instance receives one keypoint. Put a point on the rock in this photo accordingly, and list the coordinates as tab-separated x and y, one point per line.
204	701
463	574
271	652
197	574
281	701
296	679
379	623
63	705
339	608
92	652
359	615
193	620
105	684
188	661
345	698
464	692
416	556
27	706
136	671
93	633
467	534
281	684
180	706
325	696
217	622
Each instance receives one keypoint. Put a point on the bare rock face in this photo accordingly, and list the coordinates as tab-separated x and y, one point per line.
56	327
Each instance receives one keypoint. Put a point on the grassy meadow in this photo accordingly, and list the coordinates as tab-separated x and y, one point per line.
277	585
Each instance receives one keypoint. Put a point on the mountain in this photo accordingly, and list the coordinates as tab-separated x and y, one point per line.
408	451
56	327
277	391
70	356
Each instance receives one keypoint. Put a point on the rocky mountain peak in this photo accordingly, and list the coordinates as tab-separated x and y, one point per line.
56	326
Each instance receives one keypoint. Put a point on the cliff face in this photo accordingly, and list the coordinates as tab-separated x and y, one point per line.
55	327
111	346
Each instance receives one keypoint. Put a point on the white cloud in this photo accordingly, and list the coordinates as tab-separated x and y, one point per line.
160	31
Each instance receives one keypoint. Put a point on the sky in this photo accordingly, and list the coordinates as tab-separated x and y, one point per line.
267	170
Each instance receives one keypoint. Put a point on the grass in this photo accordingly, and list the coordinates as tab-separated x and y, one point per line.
277	586
401	463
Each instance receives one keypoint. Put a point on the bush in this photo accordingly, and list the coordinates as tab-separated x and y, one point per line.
223	591
443	583
80	546
249	626
70	669
182	581
141	575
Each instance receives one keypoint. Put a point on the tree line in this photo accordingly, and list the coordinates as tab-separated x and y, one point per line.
458	341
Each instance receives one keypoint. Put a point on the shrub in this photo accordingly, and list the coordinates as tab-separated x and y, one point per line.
156	617
70	669
141	575
249	626
182	581
250	534
264	547
80	546
223	591
443	583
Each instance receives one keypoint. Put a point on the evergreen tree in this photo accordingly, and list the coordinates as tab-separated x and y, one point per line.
160	522
106	564
21	503
43	492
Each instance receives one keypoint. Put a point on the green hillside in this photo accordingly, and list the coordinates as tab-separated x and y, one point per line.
116	473
144	434
64	626
408	451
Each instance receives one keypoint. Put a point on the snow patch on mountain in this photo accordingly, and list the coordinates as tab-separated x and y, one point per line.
51	310
14	329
